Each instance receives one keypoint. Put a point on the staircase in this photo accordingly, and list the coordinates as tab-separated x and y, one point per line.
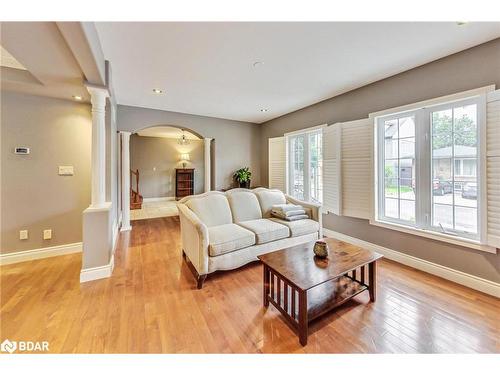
135	197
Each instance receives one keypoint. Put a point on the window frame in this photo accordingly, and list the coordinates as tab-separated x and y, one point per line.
289	161
380	188
428	112
423	176
290	165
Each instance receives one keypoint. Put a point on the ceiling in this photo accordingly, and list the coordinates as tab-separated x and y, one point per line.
37	60
166	132
208	68
9	61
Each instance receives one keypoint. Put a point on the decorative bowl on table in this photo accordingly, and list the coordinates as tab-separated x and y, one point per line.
321	249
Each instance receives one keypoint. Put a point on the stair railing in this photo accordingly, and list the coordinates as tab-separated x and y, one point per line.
134	193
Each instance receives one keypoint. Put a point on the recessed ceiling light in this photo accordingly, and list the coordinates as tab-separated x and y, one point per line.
158	91
461	23
258	64
264	110
77	97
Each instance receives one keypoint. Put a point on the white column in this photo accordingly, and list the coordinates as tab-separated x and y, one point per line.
125	136
98	97
207	163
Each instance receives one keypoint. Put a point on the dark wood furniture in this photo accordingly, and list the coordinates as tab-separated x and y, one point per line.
184	182
303	287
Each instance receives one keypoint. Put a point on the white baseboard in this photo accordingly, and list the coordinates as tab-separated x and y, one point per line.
45	252
96	273
459	277
159	199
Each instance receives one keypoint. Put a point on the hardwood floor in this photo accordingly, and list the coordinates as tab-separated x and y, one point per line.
151	305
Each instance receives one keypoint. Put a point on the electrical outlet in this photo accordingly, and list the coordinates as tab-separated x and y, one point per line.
23	234
47	234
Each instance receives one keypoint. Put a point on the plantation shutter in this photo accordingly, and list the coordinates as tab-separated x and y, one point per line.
493	168
331	169
356	168
277	163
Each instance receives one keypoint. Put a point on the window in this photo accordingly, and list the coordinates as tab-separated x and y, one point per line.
305	165
454	142
316	166
399	168
296	188
428	169
465	167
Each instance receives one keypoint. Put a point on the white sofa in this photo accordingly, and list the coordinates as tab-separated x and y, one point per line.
223	231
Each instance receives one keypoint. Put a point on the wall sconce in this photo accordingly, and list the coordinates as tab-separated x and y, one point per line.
184	159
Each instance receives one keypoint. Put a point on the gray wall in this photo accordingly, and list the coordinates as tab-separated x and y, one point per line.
33	195
156	158
476	67
237	144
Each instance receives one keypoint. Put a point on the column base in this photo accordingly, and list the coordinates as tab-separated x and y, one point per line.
99	207
96	273
98	241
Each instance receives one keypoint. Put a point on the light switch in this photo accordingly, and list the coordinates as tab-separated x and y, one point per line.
66	170
23	234
47	234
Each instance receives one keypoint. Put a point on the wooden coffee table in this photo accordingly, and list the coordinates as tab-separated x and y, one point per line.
303	287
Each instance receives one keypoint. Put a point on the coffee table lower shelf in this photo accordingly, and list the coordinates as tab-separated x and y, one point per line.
325	297
299	307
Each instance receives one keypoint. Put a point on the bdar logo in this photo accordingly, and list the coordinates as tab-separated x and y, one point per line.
8	346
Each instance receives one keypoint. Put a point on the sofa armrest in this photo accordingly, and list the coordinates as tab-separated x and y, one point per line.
194	236
312	209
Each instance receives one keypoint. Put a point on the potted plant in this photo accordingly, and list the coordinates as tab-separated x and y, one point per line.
242	176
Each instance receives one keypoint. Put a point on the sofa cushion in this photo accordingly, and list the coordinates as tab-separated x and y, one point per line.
244	206
268	198
266	230
226	238
299	227
212	209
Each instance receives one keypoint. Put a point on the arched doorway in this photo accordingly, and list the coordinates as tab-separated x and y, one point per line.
146	168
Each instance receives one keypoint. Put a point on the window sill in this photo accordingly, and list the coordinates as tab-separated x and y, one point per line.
472	244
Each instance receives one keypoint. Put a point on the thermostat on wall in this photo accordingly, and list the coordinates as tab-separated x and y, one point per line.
22	150
66	170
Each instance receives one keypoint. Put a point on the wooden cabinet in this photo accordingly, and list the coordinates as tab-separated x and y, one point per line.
184	182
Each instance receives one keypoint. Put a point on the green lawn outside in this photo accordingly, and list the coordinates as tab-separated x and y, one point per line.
394	189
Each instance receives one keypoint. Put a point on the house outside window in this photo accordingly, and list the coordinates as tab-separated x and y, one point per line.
428	168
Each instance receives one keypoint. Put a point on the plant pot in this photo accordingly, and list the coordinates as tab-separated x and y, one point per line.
245	184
